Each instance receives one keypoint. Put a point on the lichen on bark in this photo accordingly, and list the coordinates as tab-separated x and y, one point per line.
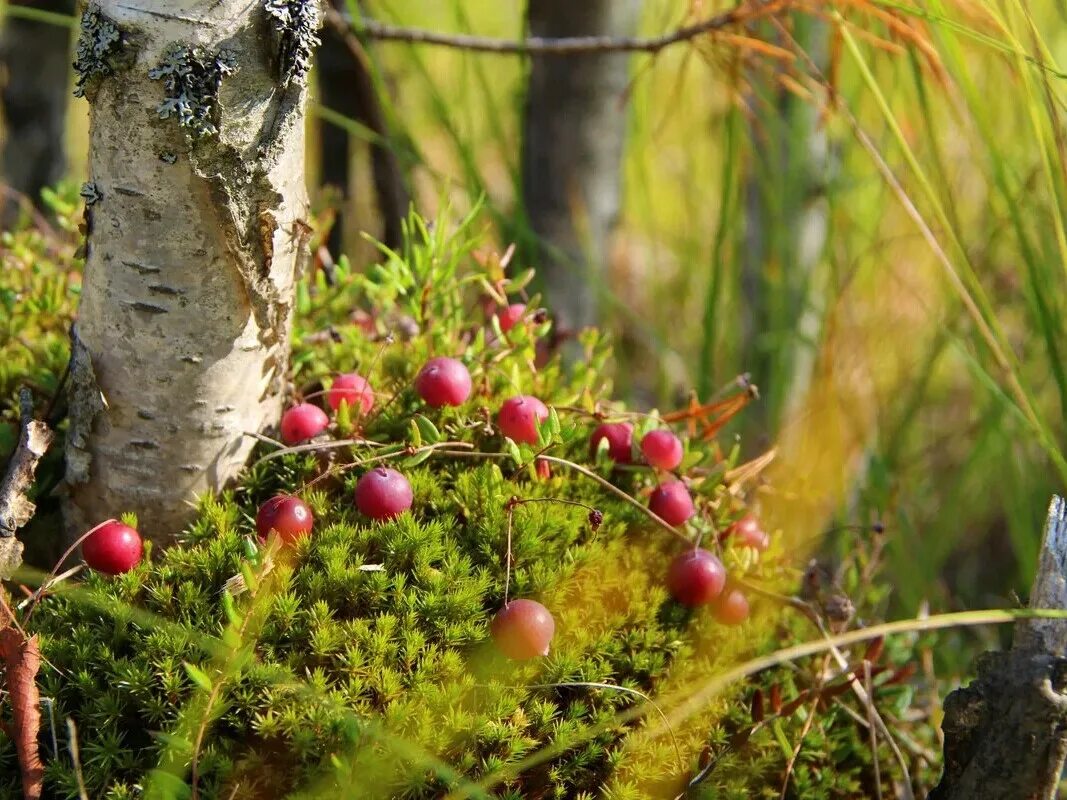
192	79
100	44
296	24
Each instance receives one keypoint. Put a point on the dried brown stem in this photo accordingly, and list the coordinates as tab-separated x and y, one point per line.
566	46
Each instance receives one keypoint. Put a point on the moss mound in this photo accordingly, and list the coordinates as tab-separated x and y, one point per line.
357	662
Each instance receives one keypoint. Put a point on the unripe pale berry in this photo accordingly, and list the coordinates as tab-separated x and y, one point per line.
747	532
303	422
383	493
354	389
443	382
287	515
671	503
731	608
523	630
620	436
695	577
510	315
662	449
113	548
519	416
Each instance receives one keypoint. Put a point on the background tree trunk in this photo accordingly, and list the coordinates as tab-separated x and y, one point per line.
196	216
36	66
574	131
346	86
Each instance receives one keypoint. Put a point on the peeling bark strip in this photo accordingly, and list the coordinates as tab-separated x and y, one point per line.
191	258
15	506
1006	733
22	660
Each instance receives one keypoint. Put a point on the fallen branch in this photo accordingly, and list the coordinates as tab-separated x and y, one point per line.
15	506
567	46
1006	733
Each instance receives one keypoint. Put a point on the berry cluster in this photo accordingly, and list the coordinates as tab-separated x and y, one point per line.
523	628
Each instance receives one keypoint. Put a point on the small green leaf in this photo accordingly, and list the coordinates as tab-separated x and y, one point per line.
344	417
229	609
428	429
418	458
198	676
513	450
416	436
553	423
782	739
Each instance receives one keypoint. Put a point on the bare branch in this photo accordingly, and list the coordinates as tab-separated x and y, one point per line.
567	46
15	507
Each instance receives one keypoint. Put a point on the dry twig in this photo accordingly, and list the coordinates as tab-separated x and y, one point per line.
15	506
568	46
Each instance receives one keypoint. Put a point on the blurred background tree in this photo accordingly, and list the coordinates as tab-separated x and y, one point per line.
35	84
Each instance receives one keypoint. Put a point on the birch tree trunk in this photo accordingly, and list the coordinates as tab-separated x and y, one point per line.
36	60
196	217
574	132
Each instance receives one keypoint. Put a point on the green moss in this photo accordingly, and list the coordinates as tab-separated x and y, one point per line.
357	662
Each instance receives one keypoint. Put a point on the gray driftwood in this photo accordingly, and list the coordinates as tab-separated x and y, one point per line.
16	508
1006	733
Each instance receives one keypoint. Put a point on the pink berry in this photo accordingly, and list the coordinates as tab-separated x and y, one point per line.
354	389
510	315
303	422
519	416
671	503
523	630
695	577
113	548
287	515
383	493
443	382
620	436
544	469
731	608
748	532
662	449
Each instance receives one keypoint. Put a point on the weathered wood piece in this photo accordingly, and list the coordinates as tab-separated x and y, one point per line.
1006	733
15	506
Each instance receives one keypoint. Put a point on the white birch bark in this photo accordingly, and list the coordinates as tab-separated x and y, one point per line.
196	233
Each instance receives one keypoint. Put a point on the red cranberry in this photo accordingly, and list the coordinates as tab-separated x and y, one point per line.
620	436
519	416
662	449
287	515
731	608
443	382
544	469
303	422
748	532
671	503
696	577
113	548
523	629
354	389
510	315
383	493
